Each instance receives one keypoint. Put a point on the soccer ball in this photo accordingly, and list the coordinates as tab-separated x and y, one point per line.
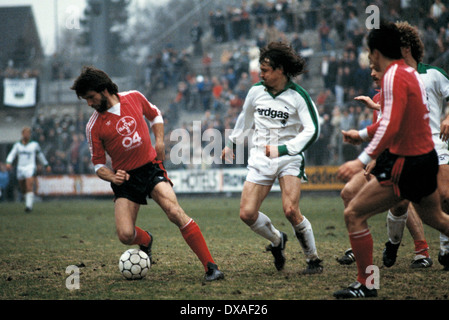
134	264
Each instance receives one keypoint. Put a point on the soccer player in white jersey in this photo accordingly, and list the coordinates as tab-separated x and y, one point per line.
285	120
26	151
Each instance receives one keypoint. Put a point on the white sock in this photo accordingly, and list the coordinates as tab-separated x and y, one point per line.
265	228
304	234
395	227
29	199
444	243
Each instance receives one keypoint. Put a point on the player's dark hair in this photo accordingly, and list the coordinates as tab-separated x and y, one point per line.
386	39
280	54
410	38
94	79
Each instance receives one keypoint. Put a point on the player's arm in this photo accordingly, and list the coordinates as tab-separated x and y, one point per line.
154	116
244	122
158	131
107	174
11	156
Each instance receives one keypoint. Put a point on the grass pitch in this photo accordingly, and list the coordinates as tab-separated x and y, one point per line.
37	248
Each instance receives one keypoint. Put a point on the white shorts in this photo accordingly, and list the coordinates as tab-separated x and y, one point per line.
442	150
264	171
25	172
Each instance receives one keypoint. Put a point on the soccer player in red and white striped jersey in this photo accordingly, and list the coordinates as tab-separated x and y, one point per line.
408	170
118	128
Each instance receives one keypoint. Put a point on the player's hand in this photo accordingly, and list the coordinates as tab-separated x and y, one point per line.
271	151
120	177
444	129
369	167
48	169
367	101
228	155
349	169
352	136
8	166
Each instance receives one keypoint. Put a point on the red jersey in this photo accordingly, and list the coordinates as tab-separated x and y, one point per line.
123	133
404	127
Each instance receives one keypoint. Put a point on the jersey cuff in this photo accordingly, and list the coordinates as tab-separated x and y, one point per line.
157	119
282	150
364	158
98	166
364	134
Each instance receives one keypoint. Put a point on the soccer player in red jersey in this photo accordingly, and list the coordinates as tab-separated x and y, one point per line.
118	128
408	170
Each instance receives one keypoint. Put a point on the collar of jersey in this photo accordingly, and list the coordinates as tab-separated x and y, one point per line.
289	85
115	109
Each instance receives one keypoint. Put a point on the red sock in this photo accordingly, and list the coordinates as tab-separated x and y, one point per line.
421	248
362	247
142	237
194	238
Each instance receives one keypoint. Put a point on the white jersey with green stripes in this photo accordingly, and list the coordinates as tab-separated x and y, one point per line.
289	119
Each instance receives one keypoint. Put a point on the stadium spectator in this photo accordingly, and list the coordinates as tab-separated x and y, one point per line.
4	180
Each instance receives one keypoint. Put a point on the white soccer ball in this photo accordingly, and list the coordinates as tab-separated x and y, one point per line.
134	264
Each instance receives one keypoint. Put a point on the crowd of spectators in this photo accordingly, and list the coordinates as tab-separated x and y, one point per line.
217	90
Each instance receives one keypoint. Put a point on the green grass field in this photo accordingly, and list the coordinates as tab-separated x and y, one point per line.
37	248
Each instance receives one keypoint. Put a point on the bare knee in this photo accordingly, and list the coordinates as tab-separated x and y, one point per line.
292	214
247	215
347	194
126	236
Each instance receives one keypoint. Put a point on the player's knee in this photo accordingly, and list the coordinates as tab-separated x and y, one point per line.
126	237
346	195
291	213
247	216
400	209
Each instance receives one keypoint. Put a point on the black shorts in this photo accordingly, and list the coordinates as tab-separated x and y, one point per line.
141	182
412	177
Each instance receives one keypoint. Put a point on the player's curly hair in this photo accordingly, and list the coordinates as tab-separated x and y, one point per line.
281	54
94	79
410	38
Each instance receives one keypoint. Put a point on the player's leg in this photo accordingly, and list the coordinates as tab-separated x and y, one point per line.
396	222
29	193
372	199
251	199
443	189
165	197
415	226
351	188
429	210
125	219
291	192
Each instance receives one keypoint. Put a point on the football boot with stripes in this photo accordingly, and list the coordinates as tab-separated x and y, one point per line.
355	290
421	263
348	258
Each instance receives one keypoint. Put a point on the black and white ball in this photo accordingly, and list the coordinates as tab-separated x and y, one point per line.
134	264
